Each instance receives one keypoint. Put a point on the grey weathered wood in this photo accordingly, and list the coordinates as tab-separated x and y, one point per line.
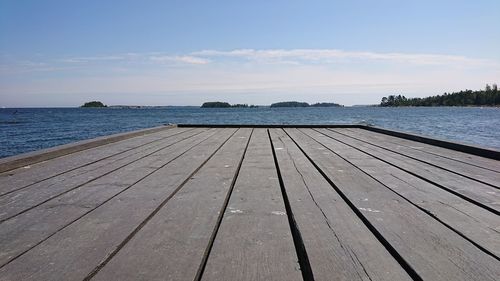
21	200
254	241
466	158
75	251
483	195
389	143
485	152
357	217
173	243
472	221
17	161
432	250
338	244
25	231
33	173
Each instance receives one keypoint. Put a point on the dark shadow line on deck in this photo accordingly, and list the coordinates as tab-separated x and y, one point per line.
470	149
416	159
433	153
486	251
421	177
91	274
93	162
462	147
305	266
87	182
269	126
208	250
104	202
404	264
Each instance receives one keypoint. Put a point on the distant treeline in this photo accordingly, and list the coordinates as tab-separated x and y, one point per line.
304	104
490	96
94	104
218	104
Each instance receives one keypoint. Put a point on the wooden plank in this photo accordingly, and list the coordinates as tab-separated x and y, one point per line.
461	157
174	242
72	253
34	173
428	248
27	230
19	201
254	241
14	162
391	143
339	246
483	195
75	164
490	153
469	220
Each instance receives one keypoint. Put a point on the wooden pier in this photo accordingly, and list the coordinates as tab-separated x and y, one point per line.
252	203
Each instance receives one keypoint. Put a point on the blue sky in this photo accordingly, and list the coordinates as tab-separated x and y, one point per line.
63	53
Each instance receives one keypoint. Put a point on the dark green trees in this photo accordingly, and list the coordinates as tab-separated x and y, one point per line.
94	104
489	96
290	104
215	104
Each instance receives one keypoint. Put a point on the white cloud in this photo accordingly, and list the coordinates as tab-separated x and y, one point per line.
242	76
92	59
334	55
180	59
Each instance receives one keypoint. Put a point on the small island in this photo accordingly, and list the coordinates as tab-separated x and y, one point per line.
94	104
326	104
218	104
290	104
490	96
304	104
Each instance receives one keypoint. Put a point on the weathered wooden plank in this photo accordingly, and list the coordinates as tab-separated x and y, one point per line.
489	153
174	242
471	221
430	249
76	250
19	201
25	231
33	173
339	246
483	195
254	241
452	154
17	161
390	143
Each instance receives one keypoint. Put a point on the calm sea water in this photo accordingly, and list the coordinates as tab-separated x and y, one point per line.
27	129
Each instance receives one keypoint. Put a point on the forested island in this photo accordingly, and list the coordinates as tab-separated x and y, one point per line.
94	104
304	104
326	104
490	96
218	104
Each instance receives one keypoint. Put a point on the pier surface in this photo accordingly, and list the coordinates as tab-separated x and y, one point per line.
252	203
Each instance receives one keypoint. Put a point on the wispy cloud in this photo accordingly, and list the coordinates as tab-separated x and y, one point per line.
92	59
291	57
180	59
242	75
334	55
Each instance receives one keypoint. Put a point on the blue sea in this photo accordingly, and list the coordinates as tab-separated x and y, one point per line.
28	129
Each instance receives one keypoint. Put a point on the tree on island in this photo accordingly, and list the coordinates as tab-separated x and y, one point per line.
326	104
218	104
290	104
94	104
304	104
490	96
215	104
